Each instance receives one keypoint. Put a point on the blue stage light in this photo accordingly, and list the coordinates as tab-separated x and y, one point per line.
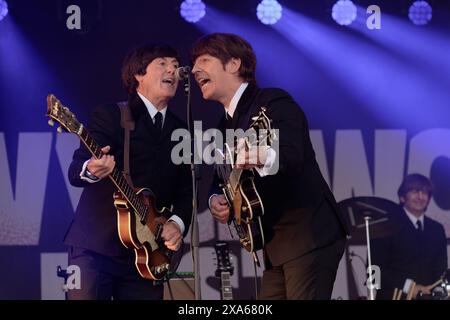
3	9
344	12
420	13
192	10
269	11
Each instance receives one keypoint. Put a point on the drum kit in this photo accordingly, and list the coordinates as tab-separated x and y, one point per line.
440	291
372	218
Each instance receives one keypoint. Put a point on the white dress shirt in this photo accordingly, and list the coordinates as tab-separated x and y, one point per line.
414	219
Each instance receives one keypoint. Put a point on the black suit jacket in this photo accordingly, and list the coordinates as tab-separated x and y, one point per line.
301	213
94	225
409	254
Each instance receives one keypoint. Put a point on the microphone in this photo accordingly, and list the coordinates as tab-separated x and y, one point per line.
182	73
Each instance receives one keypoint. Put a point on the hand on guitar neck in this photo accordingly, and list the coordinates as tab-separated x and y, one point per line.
250	156
102	167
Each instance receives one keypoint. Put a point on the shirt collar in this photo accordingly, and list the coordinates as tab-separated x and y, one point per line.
152	109
414	219
235	100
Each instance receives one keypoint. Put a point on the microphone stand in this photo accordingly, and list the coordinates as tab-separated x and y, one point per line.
369	259
194	220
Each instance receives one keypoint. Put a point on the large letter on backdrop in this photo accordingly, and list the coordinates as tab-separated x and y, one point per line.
21	211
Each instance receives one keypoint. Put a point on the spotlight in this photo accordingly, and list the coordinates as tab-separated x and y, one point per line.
3	9
344	12
192	10
269	11
420	13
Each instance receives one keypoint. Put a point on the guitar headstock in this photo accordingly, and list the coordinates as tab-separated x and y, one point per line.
446	277
223	258
56	111
263	126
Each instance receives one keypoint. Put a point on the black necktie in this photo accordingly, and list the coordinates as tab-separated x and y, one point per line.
229	121
419	226
157	125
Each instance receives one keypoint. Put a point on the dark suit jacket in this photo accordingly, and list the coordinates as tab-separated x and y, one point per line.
94	225
420	256
301	213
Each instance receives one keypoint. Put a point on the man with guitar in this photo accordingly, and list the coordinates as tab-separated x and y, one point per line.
304	231
107	267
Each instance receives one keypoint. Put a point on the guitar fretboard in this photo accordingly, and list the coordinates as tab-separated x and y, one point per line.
227	293
116	176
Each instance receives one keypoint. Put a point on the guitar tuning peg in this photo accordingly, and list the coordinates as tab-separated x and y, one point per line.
50	123
59	130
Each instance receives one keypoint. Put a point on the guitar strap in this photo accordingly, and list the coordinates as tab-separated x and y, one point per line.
128	124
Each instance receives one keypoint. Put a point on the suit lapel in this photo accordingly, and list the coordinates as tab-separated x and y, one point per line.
406	222
168	125
137	107
140	114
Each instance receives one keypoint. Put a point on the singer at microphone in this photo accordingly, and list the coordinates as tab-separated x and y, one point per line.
182	73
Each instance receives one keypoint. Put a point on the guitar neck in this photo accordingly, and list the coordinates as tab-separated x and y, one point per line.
226	289
235	177
116	176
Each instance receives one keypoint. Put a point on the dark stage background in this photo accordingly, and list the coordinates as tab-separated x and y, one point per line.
377	103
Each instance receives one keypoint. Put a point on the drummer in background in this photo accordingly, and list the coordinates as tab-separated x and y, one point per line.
417	252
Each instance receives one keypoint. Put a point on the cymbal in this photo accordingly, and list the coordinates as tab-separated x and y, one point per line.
383	216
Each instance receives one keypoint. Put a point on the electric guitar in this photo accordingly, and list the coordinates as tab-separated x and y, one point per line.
224	270
139	222
246	207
